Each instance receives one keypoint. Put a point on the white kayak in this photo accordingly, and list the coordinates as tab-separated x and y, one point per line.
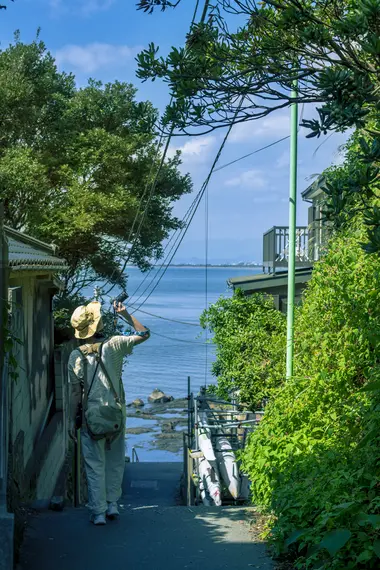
227	464
210	481
204	440
206	500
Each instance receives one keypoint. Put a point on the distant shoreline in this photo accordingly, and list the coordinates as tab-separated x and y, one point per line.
211	265
223	266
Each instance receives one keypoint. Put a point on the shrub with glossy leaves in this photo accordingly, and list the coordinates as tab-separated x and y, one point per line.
249	334
314	460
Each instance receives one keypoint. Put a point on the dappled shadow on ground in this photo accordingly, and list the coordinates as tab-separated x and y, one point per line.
166	538
152	533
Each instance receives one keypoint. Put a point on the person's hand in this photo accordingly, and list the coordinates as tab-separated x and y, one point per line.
119	307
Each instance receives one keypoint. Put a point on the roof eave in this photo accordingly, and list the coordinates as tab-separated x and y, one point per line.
24	238
38	267
314	189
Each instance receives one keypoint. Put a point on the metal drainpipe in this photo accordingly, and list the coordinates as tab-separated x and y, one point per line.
292	233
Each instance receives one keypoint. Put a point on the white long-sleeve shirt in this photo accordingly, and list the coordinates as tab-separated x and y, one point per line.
113	352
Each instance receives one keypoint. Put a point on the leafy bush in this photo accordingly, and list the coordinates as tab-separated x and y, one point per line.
314	460
249	334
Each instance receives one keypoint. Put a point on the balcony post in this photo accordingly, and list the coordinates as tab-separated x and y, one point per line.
292	232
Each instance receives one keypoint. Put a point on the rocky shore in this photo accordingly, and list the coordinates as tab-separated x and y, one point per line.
157	424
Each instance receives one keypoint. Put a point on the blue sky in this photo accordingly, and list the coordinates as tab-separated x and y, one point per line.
100	39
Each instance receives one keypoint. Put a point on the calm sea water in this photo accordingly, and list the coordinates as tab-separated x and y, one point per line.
166	361
175	350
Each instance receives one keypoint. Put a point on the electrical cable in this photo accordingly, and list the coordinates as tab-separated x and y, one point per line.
204	13
165	318
186	217
252	153
165	248
187	214
155	179
137	213
201	193
216	170
263	147
164	336
178	339
150	196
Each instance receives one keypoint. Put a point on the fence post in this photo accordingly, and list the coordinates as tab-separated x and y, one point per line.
189	477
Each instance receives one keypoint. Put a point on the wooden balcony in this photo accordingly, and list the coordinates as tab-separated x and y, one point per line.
276	248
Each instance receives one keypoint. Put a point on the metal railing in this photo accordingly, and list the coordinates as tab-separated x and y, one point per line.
276	248
222	419
135	457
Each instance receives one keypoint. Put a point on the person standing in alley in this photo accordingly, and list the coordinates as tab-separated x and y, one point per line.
97	404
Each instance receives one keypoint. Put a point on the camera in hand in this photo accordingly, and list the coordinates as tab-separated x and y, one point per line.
121	298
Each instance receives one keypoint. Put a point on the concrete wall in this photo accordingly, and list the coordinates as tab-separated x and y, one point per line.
38	433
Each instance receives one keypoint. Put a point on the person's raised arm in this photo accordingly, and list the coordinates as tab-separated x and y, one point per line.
144	332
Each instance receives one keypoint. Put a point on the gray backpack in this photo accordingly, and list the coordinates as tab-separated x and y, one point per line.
104	418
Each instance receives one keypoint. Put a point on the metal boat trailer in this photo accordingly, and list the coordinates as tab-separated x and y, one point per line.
228	419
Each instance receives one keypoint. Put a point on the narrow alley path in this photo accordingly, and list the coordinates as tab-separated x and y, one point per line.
153	532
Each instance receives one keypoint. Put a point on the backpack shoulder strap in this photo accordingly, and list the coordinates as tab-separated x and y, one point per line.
85	351
109	379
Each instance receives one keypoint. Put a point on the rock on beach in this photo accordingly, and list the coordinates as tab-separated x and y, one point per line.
138	403
159	397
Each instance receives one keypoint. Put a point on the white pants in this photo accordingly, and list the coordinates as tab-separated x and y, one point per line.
104	470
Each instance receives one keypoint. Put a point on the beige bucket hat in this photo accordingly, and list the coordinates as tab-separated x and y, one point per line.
85	319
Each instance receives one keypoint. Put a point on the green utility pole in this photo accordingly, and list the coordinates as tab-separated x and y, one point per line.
292	233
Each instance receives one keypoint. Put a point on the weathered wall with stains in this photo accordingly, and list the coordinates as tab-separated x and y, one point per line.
37	426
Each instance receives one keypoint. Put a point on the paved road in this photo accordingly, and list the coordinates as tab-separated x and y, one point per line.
152	533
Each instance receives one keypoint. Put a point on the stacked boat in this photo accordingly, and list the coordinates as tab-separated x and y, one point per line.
217	467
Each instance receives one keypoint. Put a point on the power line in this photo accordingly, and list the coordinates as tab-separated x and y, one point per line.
204	13
184	220
179	339
166	318
150	196
153	187
166	247
200	194
188	213
137	213
252	153
262	148
168	337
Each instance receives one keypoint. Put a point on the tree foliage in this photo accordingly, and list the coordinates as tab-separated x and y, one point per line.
314	460
3	6
249	334
77	166
242	60
353	188
240	64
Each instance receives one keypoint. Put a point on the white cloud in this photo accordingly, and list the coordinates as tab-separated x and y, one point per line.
195	149
91	6
91	57
276	125
249	178
85	7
